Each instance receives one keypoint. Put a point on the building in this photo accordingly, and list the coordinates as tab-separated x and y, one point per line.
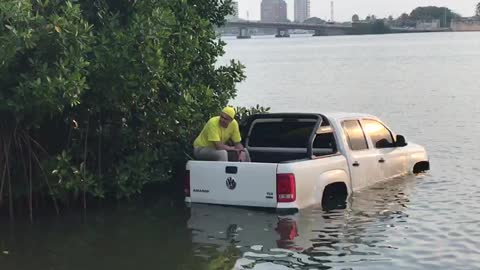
466	24
302	10
428	25
234	16
274	11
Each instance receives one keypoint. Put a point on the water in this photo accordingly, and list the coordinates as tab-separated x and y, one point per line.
424	86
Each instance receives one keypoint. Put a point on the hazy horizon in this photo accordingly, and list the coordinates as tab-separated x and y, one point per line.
344	9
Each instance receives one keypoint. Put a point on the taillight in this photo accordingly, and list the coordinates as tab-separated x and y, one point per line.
286	187
186	184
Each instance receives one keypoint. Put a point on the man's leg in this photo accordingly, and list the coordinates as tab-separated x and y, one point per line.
232	156
247	155
205	153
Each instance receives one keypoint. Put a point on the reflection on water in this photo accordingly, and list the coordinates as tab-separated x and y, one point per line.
362	233
125	237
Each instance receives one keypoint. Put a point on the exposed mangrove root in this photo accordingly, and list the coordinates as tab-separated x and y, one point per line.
6	174
27	169
99	154
2	184
19	153
27	140
85	167
55	204
10	193
30	183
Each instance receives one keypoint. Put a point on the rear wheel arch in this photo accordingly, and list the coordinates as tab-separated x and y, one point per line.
334	196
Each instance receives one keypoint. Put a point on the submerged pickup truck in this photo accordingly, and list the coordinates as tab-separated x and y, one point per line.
304	159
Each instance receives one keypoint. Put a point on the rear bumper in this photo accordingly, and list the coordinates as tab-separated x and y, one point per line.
281	208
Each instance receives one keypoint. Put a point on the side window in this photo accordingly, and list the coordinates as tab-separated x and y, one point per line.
324	144
381	137
355	136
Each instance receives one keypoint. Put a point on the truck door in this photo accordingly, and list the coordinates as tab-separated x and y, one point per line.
362	159
392	160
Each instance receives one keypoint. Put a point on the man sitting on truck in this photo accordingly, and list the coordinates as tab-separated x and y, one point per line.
212	143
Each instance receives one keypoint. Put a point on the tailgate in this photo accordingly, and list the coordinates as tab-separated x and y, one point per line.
233	183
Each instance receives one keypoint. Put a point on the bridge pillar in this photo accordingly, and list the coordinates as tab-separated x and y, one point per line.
243	33
282	33
320	32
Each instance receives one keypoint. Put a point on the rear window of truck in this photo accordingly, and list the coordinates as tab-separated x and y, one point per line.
285	134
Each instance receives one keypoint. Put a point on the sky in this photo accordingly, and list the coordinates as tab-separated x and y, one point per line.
344	9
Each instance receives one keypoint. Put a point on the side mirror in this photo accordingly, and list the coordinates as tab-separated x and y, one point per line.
384	143
400	141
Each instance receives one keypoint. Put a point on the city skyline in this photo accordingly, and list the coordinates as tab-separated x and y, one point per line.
301	10
273	11
344	9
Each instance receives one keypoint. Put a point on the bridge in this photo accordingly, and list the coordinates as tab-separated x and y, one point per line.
284	27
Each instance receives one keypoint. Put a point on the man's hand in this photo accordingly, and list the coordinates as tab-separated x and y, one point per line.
242	156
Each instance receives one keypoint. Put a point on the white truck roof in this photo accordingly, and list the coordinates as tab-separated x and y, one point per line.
343	115
333	115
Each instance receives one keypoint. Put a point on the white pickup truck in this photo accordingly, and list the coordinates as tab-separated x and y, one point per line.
302	159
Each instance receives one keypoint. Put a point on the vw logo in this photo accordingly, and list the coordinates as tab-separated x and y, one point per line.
231	184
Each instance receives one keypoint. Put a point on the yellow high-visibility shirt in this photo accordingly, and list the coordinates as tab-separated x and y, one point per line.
213	132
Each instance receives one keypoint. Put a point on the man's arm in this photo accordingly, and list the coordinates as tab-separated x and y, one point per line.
236	138
239	146
221	146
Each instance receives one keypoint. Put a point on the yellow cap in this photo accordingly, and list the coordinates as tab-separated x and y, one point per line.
229	111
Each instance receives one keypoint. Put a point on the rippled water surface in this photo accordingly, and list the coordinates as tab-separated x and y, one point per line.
424	86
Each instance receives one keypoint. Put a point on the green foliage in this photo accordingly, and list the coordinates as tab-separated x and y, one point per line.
135	171
379	27
244	112
44	64
477	9
314	20
445	15
112	91
374	26
68	179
